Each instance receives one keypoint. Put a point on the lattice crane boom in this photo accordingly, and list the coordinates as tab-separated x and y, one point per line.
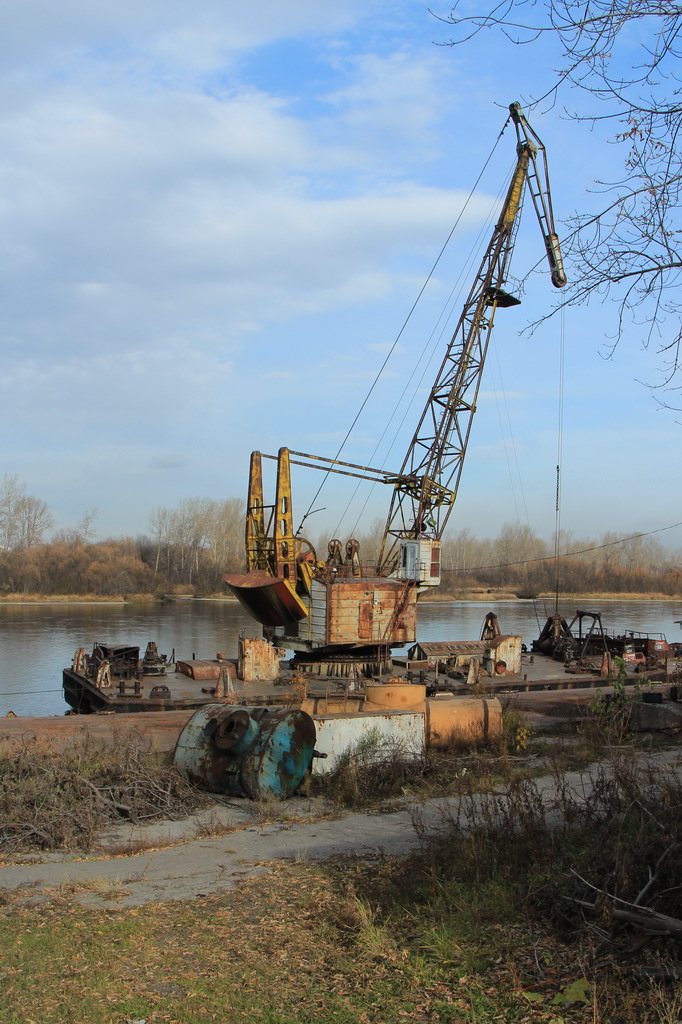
338	609
426	487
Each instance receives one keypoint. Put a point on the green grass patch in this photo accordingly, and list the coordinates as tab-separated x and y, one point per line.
306	945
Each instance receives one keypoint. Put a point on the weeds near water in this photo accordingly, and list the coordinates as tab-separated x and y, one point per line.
372	769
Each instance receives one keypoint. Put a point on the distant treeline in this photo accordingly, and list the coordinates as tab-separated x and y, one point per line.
192	545
520	561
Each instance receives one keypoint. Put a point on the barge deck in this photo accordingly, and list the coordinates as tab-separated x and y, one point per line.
216	679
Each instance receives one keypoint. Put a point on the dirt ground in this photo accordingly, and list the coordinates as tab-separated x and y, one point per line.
215	849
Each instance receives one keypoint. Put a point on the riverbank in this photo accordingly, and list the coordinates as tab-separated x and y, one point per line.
407	915
429	597
494	596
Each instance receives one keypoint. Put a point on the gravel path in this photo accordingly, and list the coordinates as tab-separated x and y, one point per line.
193	867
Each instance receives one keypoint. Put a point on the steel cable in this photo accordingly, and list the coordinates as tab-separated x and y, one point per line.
405	323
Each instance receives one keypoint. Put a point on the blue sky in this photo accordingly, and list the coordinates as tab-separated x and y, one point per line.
213	223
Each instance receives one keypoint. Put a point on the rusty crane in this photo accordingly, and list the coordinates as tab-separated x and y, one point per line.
337	610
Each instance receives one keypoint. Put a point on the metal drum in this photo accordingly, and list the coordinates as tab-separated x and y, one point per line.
255	752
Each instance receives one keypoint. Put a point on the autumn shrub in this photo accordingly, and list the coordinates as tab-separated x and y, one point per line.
52	799
593	853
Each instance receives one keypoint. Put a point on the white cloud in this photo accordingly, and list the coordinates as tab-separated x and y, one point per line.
124	217
200	34
193	223
394	96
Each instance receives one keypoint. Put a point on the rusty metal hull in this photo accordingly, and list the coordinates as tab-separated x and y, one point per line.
177	692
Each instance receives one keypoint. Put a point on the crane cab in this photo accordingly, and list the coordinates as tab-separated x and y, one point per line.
419	562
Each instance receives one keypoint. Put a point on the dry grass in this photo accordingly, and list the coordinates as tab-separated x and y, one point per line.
590	861
53	799
384	941
487	923
371	770
302	945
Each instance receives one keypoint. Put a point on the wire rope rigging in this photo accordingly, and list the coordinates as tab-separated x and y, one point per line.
334	607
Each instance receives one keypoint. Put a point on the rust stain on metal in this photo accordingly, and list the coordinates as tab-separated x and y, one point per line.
206	668
258	659
246	751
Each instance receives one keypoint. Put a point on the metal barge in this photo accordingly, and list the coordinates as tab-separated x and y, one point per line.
114	677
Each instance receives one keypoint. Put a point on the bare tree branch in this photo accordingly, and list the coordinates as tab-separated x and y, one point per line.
630	249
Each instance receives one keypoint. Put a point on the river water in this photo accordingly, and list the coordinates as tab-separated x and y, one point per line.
38	640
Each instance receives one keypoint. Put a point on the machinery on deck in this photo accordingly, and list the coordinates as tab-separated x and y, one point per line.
337	610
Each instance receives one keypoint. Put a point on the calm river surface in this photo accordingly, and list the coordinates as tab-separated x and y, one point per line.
38	640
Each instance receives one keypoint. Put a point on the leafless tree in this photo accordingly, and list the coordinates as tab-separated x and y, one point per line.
12	491
85	525
201	537
35	519
160	526
621	56
225	532
24	519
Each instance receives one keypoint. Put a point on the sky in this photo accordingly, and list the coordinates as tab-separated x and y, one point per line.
214	221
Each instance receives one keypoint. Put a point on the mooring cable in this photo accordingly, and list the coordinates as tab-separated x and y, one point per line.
567	554
428	351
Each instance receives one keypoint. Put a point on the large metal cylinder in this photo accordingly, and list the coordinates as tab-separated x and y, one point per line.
256	752
462	720
399	696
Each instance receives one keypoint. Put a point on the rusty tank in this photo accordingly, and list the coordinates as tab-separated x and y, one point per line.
257	752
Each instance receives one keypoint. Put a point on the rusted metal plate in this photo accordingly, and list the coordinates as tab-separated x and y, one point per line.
337	733
353	611
206	668
362	610
270	600
258	659
507	649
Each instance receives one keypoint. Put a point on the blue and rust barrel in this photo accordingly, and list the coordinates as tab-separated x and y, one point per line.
255	752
